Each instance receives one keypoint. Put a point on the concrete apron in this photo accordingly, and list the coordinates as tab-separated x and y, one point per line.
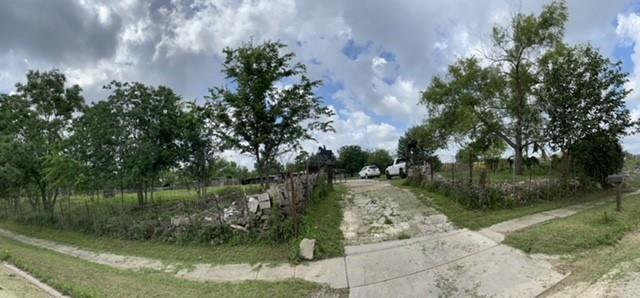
459	263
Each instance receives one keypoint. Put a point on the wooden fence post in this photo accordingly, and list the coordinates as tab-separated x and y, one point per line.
294	205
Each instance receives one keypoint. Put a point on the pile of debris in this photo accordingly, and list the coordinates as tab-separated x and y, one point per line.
255	210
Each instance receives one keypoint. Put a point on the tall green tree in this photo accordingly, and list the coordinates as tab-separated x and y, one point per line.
516	49
511	112
41	115
460	108
149	118
197	146
597	156
425	140
98	143
255	115
380	158
582	94
351	158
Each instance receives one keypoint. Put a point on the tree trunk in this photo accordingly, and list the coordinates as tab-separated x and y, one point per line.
140	195
470	171
518	162
431	171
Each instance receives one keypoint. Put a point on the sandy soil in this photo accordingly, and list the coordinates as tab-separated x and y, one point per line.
377	211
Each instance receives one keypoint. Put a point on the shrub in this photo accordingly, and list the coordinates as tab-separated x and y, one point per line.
598	156
504	195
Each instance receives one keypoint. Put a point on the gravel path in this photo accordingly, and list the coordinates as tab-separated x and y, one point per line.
377	211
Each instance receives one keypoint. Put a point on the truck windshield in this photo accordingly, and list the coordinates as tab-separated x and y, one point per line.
401	160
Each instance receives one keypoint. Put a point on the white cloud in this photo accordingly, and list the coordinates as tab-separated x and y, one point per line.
178	43
628	30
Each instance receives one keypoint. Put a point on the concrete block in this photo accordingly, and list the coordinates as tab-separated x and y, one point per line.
307	246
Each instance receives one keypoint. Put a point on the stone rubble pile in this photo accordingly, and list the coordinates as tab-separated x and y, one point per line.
291	196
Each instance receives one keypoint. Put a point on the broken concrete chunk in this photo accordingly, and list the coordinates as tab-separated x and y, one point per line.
306	248
253	204
264	201
179	220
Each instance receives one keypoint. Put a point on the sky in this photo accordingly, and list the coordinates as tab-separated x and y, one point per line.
373	56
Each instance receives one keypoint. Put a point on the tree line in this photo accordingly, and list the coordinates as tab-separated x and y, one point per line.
52	142
531	92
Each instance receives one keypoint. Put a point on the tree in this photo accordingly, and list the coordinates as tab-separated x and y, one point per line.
197	146
223	168
459	107
510	110
41	113
256	116
149	119
380	158
427	141
351	158
582	94
598	155
98	143
516	49
300	162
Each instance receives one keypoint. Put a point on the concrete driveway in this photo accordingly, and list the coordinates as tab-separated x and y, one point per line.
438	260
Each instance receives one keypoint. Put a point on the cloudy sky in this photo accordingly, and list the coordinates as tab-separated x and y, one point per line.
374	56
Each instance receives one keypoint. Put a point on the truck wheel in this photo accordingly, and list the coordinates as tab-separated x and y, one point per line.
402	174
388	175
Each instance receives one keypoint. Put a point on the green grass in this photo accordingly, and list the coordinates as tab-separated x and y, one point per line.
79	278
599	226
481	218
322	223
590	265
164	196
188	254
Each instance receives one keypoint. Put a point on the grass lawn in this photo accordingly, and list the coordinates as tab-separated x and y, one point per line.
591	264
188	254
84	279
477	219
322	223
599	226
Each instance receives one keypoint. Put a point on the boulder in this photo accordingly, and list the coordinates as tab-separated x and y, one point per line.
306	248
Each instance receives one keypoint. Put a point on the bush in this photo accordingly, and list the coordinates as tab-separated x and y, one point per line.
598	156
505	195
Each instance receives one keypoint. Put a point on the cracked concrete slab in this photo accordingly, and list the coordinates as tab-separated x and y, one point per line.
229	272
521	223
329	271
275	273
380	265
445	262
499	271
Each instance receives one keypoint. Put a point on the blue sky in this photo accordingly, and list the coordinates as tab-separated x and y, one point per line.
374	56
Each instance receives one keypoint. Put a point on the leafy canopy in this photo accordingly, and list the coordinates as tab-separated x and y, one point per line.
271	106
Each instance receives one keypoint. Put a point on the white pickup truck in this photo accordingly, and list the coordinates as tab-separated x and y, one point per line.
398	168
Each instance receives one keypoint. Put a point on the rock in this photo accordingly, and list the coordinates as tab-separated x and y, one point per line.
253	204
264	201
306	248
179	220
